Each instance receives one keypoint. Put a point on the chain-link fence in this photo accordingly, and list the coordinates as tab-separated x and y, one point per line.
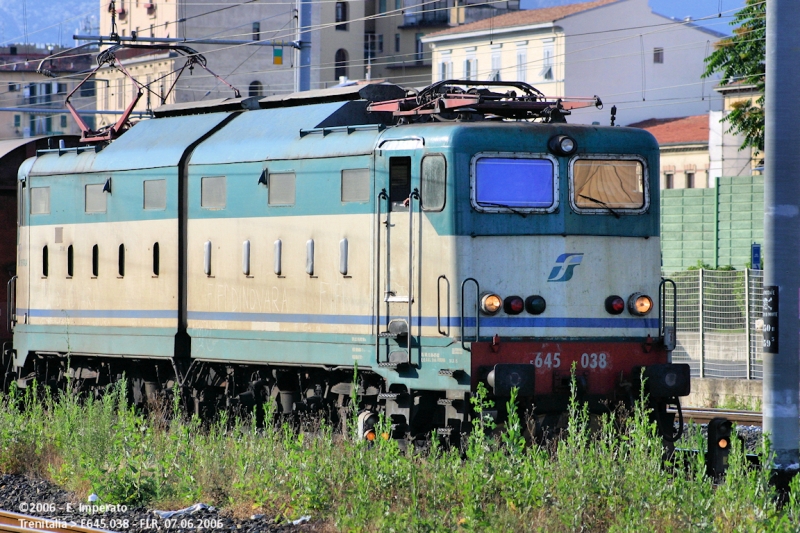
719	322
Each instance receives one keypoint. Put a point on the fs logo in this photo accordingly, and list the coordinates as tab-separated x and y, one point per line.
565	264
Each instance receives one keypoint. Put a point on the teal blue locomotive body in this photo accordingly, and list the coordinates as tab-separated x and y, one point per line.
264	253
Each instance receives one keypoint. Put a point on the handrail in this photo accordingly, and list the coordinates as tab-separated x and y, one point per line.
381	196
11	303
439	305
662	307
477	312
414	195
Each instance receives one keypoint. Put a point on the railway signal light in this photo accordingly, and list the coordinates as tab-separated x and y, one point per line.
719	446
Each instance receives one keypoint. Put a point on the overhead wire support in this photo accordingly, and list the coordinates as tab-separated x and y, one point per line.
111	39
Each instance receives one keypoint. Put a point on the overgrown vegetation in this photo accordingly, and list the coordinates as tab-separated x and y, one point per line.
605	476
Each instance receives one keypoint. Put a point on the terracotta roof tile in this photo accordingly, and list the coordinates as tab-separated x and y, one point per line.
524	18
692	129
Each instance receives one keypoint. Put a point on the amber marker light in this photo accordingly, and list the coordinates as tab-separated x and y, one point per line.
723	443
640	304
491	303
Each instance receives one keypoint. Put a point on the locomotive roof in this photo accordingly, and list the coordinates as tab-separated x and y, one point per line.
292	132
148	144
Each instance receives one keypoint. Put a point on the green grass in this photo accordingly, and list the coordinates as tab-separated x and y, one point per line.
610	477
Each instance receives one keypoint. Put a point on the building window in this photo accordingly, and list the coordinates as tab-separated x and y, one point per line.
522	65
17	121
13	87
381	6
341	16
669	180
256	89
690	180
380	43
471	69
658	55
369	47
397	42
88	89
419	46
398	4
340	64
496	66
256	31
547	60
120	92
63	121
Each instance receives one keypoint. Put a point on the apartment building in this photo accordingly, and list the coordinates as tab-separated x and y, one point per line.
645	64
33	103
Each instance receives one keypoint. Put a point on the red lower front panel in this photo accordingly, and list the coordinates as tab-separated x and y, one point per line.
603	365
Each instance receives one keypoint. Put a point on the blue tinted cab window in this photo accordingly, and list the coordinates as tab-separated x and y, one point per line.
517	183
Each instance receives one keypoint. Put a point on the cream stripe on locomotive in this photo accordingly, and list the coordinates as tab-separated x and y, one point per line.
138	289
327	301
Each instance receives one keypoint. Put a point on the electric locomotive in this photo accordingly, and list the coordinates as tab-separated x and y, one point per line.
268	250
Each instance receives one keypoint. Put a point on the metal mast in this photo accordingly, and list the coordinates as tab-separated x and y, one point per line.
782	232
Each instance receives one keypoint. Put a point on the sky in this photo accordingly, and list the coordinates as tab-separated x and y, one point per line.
51	21
678	9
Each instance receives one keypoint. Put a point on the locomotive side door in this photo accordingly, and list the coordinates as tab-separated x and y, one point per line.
397	251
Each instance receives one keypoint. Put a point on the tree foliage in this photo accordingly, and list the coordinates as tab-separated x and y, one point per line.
741	61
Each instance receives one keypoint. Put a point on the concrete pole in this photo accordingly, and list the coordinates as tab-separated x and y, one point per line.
782	232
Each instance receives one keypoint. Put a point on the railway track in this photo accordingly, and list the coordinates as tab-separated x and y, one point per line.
21	523
703	415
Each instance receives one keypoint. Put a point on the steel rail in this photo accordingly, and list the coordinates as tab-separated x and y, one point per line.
21	523
705	414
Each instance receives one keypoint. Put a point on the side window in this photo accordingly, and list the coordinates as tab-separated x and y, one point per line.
95	199
355	185
514	184
155	194
212	192
399	181
434	172
40	200
281	188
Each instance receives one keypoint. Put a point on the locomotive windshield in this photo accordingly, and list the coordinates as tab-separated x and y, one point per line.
513	184
608	183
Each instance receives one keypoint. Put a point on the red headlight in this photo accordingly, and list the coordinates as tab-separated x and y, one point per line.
513	305
615	305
